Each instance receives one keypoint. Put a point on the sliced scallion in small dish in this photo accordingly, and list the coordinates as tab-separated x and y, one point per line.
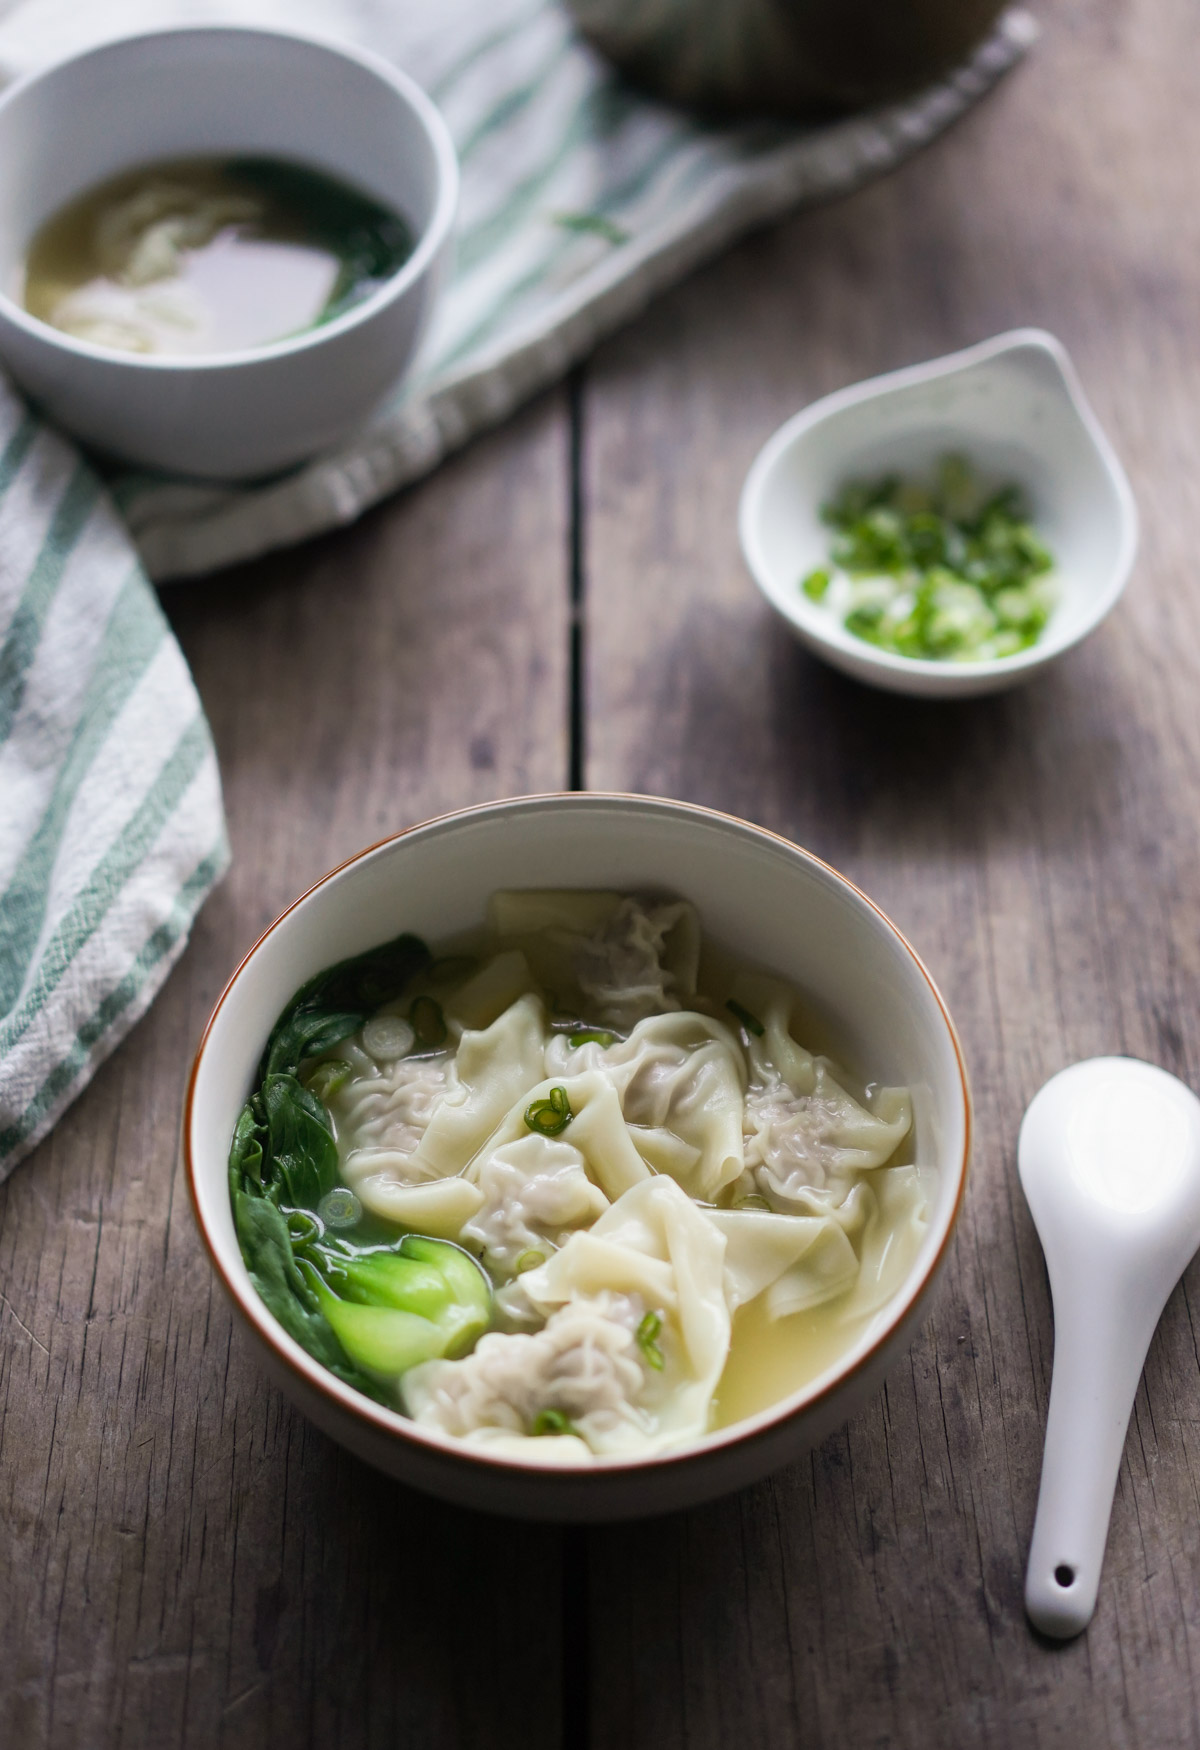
943	570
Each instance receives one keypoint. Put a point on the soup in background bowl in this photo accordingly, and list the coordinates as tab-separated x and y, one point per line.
201	256
792	1372
222	94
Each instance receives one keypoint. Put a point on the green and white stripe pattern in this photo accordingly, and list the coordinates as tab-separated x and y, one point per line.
580	200
111	826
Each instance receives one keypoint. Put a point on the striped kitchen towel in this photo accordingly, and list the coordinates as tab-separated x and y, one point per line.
580	200
111	826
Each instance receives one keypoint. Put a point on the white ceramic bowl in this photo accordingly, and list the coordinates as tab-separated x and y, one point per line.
1014	407
222	90
757	894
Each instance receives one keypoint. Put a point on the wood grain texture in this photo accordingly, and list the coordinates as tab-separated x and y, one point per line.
183	1559
1040	850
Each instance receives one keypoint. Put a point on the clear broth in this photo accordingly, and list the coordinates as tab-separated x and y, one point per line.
203	256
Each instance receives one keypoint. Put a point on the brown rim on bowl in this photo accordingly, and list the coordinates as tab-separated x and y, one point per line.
378	1417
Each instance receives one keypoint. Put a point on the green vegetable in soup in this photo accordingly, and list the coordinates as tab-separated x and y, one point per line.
286	1193
266	1247
552	1422
325	1078
394	1307
428	1023
550	1117
369	241
940	571
647	1337
339	1208
750	1022
591	1036
334	1004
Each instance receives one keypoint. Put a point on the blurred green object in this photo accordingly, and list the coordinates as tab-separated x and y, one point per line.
795	58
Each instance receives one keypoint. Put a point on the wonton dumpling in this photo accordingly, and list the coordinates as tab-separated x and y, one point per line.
407	1130
579	1172
585	1364
680	1078
655	1243
802	1128
617	957
493	1068
652	1252
533	1191
795	1141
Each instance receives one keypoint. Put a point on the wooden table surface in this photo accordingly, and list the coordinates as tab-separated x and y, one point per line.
185	1561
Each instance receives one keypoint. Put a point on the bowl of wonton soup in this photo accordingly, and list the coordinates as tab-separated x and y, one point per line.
730	1271
135	113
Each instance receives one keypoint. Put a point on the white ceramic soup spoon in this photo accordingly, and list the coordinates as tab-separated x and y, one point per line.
1109	1157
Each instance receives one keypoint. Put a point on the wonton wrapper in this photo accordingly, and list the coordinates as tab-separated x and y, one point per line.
897	1219
802	1127
656	1243
652	1251
861	1248
803	1260
489	992
422	1189
680	1077
596	1144
611	956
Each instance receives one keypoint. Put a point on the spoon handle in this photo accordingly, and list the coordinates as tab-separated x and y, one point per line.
1098	1361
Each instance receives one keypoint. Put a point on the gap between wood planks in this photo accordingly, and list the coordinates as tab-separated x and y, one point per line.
575	583
576	1627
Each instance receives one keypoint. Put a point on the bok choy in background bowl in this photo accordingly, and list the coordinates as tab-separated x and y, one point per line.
556	1214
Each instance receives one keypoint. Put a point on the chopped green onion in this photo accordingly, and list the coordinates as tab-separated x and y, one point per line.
303	1227
552	1422
325	1078
529	1261
591	1036
550	1117
340	1208
647	1335
387	1037
428	1023
753	1201
942	571
750	1022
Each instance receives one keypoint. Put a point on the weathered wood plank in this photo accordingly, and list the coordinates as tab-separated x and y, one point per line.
184	1560
1040	850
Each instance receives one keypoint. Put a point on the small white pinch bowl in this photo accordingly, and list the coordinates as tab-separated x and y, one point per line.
223	90
1014	407
757	894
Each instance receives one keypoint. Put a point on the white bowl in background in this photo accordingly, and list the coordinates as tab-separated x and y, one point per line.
757	894
224	90
1014	407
